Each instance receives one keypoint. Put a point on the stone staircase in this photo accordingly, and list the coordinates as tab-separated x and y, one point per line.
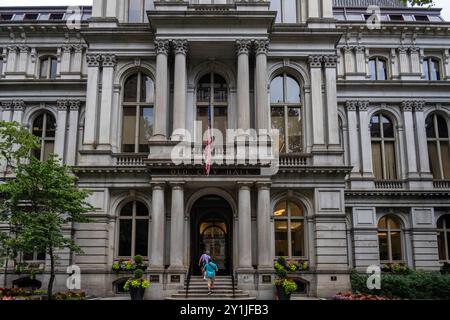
223	290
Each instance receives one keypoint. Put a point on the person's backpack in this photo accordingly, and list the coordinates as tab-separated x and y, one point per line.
210	273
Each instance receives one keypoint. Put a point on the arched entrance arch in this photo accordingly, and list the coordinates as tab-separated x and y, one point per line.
211	219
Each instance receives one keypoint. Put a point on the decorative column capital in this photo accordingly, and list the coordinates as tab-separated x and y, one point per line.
360	49
158	186
263	185
180	46
93	60
245	185
74	105
409	106
109	60
402	50
261	46
177	185
78	48
315	61
363	105
351	105
162	46
67	48
13	49
62	104
6	105
330	61
18	105
24	49
243	46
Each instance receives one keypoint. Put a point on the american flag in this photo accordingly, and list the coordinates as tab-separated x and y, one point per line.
208	144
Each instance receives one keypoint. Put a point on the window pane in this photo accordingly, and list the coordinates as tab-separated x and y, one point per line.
220	120
44	68
389	158
434	160
372	68
383	245
293	90
381	70
38	125
295	129
278	123
202	118
382	224
445	154
148	6
297	236
141	245
442	127
147	89
40	256
127	210
376	160
204	88
426	70
276	90
220	89
281	238
134	11
296	211
129	129
441	246
141	209
50	129
290	11
53	68
429	124
393	223
435	73
396	246
275	5
28	256
375	128
125	237
388	128
130	93
280	210
145	128
49	147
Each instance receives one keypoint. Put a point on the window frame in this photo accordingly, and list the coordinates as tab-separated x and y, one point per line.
138	105
445	230
142	15
378	59
281	13
134	217
286	107
43	139
428	60
48	73
388	230
437	140
382	140
289	220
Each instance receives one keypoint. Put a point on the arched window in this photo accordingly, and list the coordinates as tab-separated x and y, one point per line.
378	68
443	228
133	230
432	69
212	96
390	240
138	100
383	148
286	10
438	146
137	10
286	112
44	127
48	67
289	230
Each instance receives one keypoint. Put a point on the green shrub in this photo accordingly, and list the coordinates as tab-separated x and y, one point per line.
138	273
138	259
415	285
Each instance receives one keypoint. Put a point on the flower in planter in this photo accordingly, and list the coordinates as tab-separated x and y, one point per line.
289	286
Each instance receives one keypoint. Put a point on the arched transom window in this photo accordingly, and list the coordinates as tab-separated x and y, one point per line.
133	230
44	127
438	146
383	148
390	240
212	105
443	228
289	230
138	99
286	112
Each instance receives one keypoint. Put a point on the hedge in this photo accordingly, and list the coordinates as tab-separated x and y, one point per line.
417	285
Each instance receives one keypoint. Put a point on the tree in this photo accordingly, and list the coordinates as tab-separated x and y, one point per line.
42	199
419	2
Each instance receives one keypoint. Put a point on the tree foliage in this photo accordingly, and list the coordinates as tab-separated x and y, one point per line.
419	2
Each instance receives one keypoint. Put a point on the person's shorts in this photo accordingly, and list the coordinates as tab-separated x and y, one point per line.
210	281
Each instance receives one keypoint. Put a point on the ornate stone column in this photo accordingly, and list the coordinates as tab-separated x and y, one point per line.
177	228
161	93
109	64
65	58
90	129
265	228
12	58
407	109
23	59
19	107
330	63
158	228
77	58
261	96
243	84
422	144
315	64
72	137
180	47
61	122
245	228
8	110
366	139
353	137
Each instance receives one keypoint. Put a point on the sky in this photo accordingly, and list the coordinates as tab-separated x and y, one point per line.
439	3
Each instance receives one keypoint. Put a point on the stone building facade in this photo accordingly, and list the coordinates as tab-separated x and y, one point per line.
363	113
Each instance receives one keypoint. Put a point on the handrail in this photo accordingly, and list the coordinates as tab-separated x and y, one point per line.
188	279
232	285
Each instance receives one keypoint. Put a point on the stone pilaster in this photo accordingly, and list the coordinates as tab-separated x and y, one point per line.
315	64
8	110
109	63
244	227
366	140
72	138
161	93
177	243
265	228
12	59
158	226
19	107
261	96
61	122
180	47
90	129
352	119
422	143
243	84
330	64
407	109
66	54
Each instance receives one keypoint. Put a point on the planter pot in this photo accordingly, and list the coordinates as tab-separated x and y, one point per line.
137	293
282	295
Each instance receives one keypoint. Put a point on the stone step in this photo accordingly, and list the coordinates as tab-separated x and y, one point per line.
211	298
213	295
205	291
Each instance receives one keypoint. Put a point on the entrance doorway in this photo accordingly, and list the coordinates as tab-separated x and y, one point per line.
211	229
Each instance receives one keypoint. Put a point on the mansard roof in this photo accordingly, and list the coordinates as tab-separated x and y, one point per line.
366	3
41	14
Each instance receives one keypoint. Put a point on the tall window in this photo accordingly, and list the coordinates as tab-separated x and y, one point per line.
133	230
383	148
33	256
286	10
286	111
48	67
390	240
137	10
289	230
1	66
443	229
212	96
44	127
378	68
432	69
438	146
138	102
